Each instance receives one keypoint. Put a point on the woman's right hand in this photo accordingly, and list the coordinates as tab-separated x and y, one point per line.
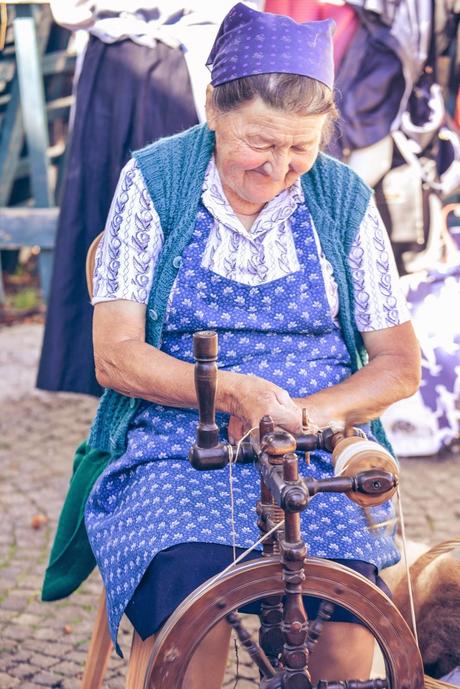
249	398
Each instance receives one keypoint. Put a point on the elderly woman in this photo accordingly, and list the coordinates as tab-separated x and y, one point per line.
241	226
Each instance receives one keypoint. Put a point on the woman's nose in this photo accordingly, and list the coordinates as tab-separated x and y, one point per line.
278	167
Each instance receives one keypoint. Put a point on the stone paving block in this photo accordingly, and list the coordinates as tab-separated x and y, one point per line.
7	646
5	616
45	634
72	610
14	632
70	683
8	682
11	574
68	669
34	581
48	679
58	649
5	662
115	683
84	628
43	661
28	620
22	655
78	657
24	671
35	645
36	607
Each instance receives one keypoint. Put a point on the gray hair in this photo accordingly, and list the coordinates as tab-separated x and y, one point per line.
290	92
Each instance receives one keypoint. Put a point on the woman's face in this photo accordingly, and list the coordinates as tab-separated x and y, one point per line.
260	151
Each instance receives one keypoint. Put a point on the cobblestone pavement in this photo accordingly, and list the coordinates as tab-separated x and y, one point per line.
43	644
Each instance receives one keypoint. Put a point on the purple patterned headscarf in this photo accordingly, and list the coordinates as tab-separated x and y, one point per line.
251	42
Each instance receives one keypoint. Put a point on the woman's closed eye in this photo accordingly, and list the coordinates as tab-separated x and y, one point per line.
302	149
262	147
305	148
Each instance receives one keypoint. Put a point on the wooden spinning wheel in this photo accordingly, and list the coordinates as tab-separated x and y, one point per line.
280	578
176	642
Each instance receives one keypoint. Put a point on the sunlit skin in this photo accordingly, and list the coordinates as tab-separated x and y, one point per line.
260	151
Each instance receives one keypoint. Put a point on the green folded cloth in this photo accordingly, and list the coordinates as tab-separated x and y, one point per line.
71	559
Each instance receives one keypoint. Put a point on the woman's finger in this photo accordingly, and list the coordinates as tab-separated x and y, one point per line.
235	430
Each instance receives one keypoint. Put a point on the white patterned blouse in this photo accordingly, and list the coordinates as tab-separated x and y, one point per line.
263	254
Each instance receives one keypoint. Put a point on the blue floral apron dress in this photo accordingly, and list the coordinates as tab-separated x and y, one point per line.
151	499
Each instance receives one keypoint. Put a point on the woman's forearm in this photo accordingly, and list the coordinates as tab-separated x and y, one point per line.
393	373
127	364
139	370
364	395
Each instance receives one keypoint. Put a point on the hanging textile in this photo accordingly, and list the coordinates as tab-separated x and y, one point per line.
429	421
344	16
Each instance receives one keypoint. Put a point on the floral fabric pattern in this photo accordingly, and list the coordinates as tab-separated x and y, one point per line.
130	245
127	256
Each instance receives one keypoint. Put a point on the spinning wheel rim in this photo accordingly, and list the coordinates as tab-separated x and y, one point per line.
208	604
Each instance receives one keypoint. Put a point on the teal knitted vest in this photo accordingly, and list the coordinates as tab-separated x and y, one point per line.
173	170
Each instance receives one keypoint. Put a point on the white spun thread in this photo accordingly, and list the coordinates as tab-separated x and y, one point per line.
406	562
360	446
232	459
212	581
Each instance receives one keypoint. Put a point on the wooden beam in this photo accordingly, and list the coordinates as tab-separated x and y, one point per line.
28	227
52	63
33	106
12	131
59	107
54	152
11	140
58	62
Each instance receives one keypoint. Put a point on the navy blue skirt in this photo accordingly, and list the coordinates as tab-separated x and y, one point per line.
177	571
128	95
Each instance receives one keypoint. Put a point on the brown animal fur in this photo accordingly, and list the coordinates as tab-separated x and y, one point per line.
436	590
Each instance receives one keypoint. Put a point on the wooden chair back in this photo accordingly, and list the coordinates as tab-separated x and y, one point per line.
90	261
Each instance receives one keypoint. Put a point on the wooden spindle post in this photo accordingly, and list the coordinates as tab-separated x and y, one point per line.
295	621
207	452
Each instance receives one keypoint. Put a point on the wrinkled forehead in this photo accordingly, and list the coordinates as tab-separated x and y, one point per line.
256	120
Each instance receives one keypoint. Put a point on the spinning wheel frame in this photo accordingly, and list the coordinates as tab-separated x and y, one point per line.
247	582
287	574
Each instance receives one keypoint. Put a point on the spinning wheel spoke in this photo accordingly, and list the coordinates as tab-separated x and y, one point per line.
315	627
252	647
270	634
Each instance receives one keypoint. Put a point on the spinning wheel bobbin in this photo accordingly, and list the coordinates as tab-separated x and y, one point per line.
355	454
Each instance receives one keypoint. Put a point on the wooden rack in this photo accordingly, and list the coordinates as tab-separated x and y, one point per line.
34	107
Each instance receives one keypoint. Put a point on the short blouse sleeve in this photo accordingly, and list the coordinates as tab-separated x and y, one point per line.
379	301
127	254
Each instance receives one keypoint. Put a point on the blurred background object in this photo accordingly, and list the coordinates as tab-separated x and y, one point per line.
37	61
